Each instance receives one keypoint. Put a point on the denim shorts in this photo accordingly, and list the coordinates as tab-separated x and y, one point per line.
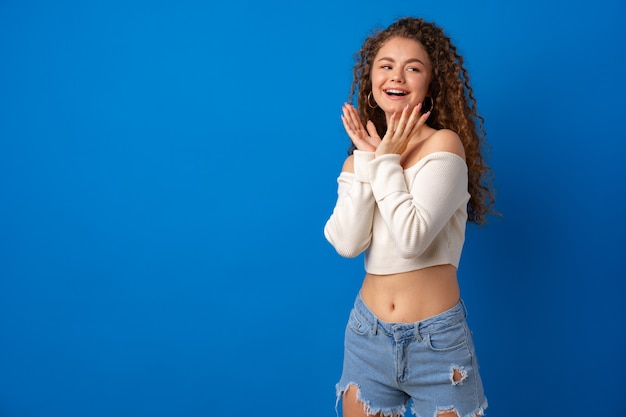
431	363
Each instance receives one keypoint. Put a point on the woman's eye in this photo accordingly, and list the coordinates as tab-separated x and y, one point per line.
386	67
414	69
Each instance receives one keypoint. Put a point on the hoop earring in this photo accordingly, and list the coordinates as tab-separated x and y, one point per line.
369	101
432	104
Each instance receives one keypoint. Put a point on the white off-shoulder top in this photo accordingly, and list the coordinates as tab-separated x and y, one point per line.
404	219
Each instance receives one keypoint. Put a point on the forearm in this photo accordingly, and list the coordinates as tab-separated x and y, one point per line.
416	215
349	228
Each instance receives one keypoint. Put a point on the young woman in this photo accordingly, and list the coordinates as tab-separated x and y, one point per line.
414	177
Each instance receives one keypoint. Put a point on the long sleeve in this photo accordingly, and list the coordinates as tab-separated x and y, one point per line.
349	228
415	214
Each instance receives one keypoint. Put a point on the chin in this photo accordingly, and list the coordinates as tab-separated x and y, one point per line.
394	108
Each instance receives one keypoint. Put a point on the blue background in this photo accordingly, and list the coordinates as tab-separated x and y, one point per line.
166	169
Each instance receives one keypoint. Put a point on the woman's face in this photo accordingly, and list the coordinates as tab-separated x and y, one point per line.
401	74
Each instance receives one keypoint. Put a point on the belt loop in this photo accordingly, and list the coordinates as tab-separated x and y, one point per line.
464	308
417	332
375	326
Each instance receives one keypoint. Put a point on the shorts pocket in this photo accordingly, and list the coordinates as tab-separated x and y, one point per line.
357	324
448	338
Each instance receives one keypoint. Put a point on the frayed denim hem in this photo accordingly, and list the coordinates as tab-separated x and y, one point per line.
480	411
367	407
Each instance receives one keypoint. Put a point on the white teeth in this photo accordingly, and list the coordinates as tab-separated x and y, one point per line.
392	91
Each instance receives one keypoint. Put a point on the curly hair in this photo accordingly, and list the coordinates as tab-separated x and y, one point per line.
454	105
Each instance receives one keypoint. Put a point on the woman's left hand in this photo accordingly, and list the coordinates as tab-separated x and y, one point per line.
401	129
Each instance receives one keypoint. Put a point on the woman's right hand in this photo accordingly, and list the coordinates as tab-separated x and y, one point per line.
365	139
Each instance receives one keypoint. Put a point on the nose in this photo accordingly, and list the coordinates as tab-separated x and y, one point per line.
397	75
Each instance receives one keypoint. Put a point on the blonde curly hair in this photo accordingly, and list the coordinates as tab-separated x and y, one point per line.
454	106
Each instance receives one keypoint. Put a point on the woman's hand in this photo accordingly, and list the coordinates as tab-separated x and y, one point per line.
400	130
364	139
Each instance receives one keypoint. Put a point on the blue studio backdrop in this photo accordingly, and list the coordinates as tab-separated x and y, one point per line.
166	169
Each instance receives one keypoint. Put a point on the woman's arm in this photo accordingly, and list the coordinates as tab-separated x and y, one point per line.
417	215
349	228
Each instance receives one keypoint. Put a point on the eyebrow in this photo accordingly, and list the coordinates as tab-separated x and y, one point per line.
411	60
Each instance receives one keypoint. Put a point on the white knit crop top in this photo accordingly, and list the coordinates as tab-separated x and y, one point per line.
404	219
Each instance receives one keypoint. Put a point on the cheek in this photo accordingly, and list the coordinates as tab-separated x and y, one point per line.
422	80
428	83
422	86
377	79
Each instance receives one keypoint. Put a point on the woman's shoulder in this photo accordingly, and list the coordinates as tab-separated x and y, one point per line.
444	140
348	164
441	140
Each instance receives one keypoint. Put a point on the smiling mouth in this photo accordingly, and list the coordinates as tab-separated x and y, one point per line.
395	93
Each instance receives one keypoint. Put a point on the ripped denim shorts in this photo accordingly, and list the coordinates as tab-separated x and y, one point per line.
431	363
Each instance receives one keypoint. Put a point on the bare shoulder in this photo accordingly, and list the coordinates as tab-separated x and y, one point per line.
444	140
348	164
